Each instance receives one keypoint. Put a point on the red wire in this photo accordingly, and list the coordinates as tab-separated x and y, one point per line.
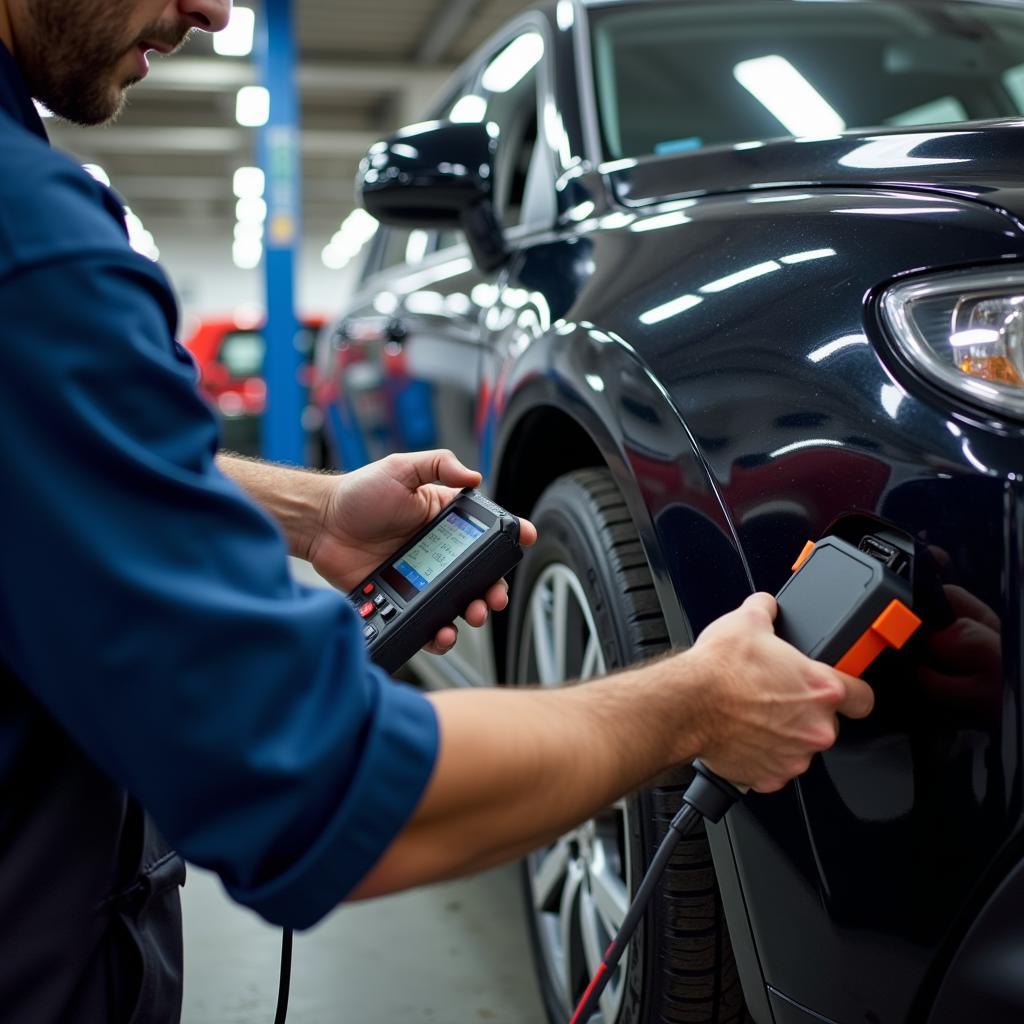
577	1017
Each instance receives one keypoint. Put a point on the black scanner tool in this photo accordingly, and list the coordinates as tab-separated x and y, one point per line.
470	545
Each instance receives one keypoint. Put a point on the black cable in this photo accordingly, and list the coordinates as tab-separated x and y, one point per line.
285	980
707	797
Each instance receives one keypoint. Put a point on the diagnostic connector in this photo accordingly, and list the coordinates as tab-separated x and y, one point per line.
845	605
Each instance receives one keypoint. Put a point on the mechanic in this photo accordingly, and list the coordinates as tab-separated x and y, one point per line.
156	653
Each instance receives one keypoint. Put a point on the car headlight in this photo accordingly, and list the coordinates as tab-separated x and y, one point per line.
965	332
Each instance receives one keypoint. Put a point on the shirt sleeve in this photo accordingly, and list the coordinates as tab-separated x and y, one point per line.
146	604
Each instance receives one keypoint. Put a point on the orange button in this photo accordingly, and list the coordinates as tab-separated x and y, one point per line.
897	624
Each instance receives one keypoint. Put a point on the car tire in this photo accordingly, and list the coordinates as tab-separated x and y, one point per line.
587	580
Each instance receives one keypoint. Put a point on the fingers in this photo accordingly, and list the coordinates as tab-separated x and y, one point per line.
527	533
859	700
444	641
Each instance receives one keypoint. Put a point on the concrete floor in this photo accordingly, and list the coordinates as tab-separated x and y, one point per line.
449	954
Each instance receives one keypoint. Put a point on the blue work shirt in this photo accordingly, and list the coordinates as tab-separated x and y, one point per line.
147	614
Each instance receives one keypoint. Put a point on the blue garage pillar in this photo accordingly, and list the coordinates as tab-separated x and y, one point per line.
281	159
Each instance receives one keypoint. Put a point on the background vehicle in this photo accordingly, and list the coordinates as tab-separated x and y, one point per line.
685	345
229	352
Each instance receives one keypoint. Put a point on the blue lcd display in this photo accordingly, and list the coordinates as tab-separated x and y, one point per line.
424	562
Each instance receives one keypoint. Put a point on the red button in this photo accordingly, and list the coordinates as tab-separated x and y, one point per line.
368	589
367	610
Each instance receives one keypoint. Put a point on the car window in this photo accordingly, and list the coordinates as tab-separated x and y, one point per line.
507	97
674	77
393	248
241	354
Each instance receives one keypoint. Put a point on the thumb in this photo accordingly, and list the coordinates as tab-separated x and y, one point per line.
442	466
764	605
859	701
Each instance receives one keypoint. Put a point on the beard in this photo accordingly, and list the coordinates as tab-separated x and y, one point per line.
71	50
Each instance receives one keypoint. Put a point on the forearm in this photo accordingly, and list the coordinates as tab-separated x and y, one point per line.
518	768
295	498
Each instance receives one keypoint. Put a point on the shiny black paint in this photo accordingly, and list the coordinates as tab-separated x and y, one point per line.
751	421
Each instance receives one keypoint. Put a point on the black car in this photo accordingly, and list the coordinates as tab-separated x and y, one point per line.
694	283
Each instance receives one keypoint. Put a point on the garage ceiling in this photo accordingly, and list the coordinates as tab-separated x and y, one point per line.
366	68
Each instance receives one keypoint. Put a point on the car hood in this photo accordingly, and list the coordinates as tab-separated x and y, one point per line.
978	161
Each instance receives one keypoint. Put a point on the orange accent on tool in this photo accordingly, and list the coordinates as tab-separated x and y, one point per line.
893	628
804	555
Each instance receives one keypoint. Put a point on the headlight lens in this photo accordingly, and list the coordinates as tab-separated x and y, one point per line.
965	332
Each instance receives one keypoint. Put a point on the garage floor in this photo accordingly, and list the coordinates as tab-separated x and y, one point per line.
449	954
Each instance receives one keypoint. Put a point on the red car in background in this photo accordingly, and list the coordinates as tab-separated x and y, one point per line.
229	352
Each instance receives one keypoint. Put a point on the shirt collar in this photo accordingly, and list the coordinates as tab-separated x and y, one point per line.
15	97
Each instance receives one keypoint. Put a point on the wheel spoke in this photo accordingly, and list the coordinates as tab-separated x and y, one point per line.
550	873
543	642
610	896
566	915
560	623
592	658
592	948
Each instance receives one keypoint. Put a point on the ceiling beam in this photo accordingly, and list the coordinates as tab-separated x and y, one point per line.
206	74
131	139
455	15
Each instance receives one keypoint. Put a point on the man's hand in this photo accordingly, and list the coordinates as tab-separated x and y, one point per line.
771	708
370	513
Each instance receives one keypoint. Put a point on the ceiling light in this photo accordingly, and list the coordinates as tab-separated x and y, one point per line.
247	254
514	63
251	211
793	101
252	109
249	183
236	39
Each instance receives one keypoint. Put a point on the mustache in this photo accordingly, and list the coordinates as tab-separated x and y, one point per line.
170	37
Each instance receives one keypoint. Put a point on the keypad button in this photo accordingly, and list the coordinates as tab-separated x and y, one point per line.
370	633
369	589
388	612
379	600
367	610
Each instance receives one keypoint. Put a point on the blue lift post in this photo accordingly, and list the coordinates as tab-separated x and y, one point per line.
281	158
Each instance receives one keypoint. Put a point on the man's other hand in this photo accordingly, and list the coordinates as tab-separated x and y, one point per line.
370	513
771	708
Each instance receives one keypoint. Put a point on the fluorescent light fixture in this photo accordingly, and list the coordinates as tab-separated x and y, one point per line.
252	109
236	39
806	257
247	254
356	230
249	183
249	231
565	15
514	63
670	309
251	211
416	247
98	173
471	109
741	277
791	99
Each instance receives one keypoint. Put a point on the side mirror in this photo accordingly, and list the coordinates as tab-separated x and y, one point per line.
437	175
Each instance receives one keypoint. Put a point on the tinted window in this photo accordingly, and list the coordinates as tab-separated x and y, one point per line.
673	77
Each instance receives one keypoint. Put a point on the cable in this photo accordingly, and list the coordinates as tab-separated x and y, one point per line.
285	980
707	797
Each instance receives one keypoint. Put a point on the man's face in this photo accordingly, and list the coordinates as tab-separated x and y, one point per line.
80	56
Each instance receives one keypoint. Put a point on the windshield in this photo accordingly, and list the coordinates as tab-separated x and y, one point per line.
678	76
